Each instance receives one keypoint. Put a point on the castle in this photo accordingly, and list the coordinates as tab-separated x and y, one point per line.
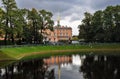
59	33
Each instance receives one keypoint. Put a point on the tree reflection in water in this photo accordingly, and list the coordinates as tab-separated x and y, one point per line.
34	69
101	67
92	67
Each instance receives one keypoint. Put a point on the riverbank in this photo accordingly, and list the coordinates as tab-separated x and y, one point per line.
17	53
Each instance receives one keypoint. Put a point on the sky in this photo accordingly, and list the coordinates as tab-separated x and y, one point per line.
71	12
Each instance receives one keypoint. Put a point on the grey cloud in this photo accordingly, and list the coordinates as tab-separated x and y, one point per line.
67	7
102	4
51	5
74	9
74	18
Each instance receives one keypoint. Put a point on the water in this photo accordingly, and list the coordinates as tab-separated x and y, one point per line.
64	67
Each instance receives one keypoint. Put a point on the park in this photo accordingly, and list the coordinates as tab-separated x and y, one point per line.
50	39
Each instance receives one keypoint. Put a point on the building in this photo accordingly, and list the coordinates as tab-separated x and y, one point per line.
59	33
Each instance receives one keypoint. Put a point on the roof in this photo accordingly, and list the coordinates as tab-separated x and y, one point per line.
62	27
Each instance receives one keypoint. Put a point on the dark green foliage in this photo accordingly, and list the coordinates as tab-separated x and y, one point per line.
20	26
85	27
102	26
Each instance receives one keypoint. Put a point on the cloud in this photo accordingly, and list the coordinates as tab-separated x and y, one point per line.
102	4
71	11
51	5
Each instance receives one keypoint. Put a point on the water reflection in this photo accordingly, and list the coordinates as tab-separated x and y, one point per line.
64	67
101	67
34	69
60	61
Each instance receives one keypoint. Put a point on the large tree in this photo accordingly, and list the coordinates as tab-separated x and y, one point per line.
46	22
22	24
103	27
116	33
10	9
97	26
85	27
108	23
34	20
26	32
1	22
38	21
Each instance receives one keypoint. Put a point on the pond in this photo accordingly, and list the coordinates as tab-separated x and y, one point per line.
64	67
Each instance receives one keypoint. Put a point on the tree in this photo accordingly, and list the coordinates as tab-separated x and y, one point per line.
20	23
108	23
103	27
97	26
116	15
46	21
34	23
10	10
85	27
1	22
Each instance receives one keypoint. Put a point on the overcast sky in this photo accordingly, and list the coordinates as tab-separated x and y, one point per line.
71	11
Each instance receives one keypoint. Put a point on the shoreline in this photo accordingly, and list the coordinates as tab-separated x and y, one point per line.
21	52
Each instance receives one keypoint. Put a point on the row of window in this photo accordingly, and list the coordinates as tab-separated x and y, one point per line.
62	30
61	34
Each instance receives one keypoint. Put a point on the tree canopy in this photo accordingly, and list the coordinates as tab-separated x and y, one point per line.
23	25
102	26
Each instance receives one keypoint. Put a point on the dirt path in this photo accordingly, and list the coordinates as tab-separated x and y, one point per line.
67	51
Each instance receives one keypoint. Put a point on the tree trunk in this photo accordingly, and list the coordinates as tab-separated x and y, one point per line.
12	37
6	32
12	33
5	39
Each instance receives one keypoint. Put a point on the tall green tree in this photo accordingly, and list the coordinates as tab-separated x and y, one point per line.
97	26
85	27
20	23
24	25
1	22
46	22
34	21
108	23
10	8
103	27
116	33
25	35
38	21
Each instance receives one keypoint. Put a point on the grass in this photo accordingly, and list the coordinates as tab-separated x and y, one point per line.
4	56
21	52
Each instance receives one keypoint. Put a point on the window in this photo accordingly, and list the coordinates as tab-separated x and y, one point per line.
66	34
55	34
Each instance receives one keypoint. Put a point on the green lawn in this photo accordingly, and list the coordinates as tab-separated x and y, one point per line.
4	56
20	52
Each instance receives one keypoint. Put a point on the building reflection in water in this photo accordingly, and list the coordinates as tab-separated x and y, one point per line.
58	60
37	68
65	67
